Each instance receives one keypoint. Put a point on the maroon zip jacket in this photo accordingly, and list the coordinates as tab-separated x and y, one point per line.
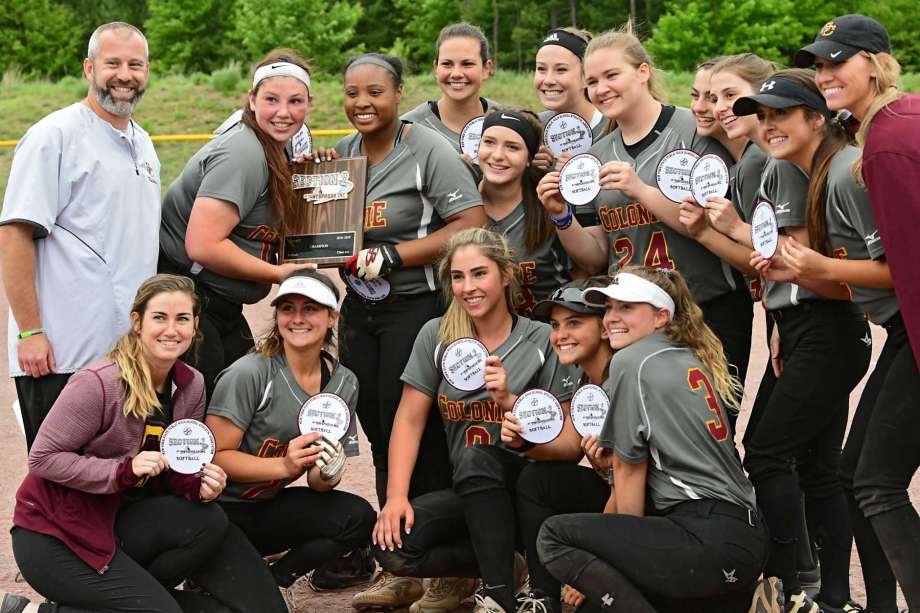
81	460
891	170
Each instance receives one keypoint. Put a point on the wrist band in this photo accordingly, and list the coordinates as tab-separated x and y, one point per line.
28	333
564	221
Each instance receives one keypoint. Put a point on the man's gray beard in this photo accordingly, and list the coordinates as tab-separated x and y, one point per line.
119	108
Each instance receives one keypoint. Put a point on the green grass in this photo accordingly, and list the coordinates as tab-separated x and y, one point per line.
198	103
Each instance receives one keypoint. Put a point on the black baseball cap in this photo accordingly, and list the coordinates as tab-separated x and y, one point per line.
844	37
569	296
779	92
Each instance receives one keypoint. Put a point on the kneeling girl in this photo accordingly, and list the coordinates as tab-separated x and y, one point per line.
669	385
254	416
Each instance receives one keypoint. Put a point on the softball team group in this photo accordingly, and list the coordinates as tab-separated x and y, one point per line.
663	514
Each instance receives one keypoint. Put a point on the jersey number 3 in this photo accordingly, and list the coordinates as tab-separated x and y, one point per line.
717	428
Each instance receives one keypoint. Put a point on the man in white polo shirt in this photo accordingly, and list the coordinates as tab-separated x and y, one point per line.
79	226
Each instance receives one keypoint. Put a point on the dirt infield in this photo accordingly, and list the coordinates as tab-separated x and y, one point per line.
359	478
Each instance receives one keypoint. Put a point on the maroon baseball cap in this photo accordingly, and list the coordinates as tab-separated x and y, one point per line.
844	37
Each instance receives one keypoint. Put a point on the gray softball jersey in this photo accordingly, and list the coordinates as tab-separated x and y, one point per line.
665	410
410	193
636	236
261	396
543	269
422	115
785	185
231	168
473	418
853	235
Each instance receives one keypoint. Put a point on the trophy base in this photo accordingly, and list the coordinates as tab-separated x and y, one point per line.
325	249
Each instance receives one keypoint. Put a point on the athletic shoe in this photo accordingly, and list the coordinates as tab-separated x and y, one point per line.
800	602
768	597
444	594
810	580
537	603
13	603
353	568
389	592
485	604
848	607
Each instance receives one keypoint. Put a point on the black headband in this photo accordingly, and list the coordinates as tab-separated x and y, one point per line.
566	39
518	123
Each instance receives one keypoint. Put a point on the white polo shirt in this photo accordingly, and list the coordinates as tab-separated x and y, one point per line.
92	192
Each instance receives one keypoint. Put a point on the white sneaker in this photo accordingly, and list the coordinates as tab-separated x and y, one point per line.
532	604
444	594
485	604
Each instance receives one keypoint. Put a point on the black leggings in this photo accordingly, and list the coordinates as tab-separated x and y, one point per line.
794	437
469	531
881	592
889	459
703	555
313	527
375	341
545	489
159	542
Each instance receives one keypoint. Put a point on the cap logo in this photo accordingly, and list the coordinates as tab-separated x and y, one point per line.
767	86
551	38
828	28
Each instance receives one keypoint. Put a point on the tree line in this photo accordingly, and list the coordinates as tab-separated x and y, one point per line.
47	38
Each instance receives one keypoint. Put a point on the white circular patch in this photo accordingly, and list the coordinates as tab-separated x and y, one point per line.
540	414
567	133
327	414
580	179
470	137
673	174
709	177
463	364
764	230
188	445
589	409
374	290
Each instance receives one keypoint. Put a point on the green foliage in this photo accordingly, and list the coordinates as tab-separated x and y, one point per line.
190	35
39	37
322	30
903	22
227	80
700	29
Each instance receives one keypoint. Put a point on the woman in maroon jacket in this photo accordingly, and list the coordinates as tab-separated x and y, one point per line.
856	71
101	523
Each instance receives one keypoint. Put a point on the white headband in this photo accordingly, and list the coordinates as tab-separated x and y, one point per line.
314	289
281	69
627	287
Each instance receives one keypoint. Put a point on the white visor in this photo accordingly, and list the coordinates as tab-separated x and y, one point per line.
281	69
314	289
627	287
